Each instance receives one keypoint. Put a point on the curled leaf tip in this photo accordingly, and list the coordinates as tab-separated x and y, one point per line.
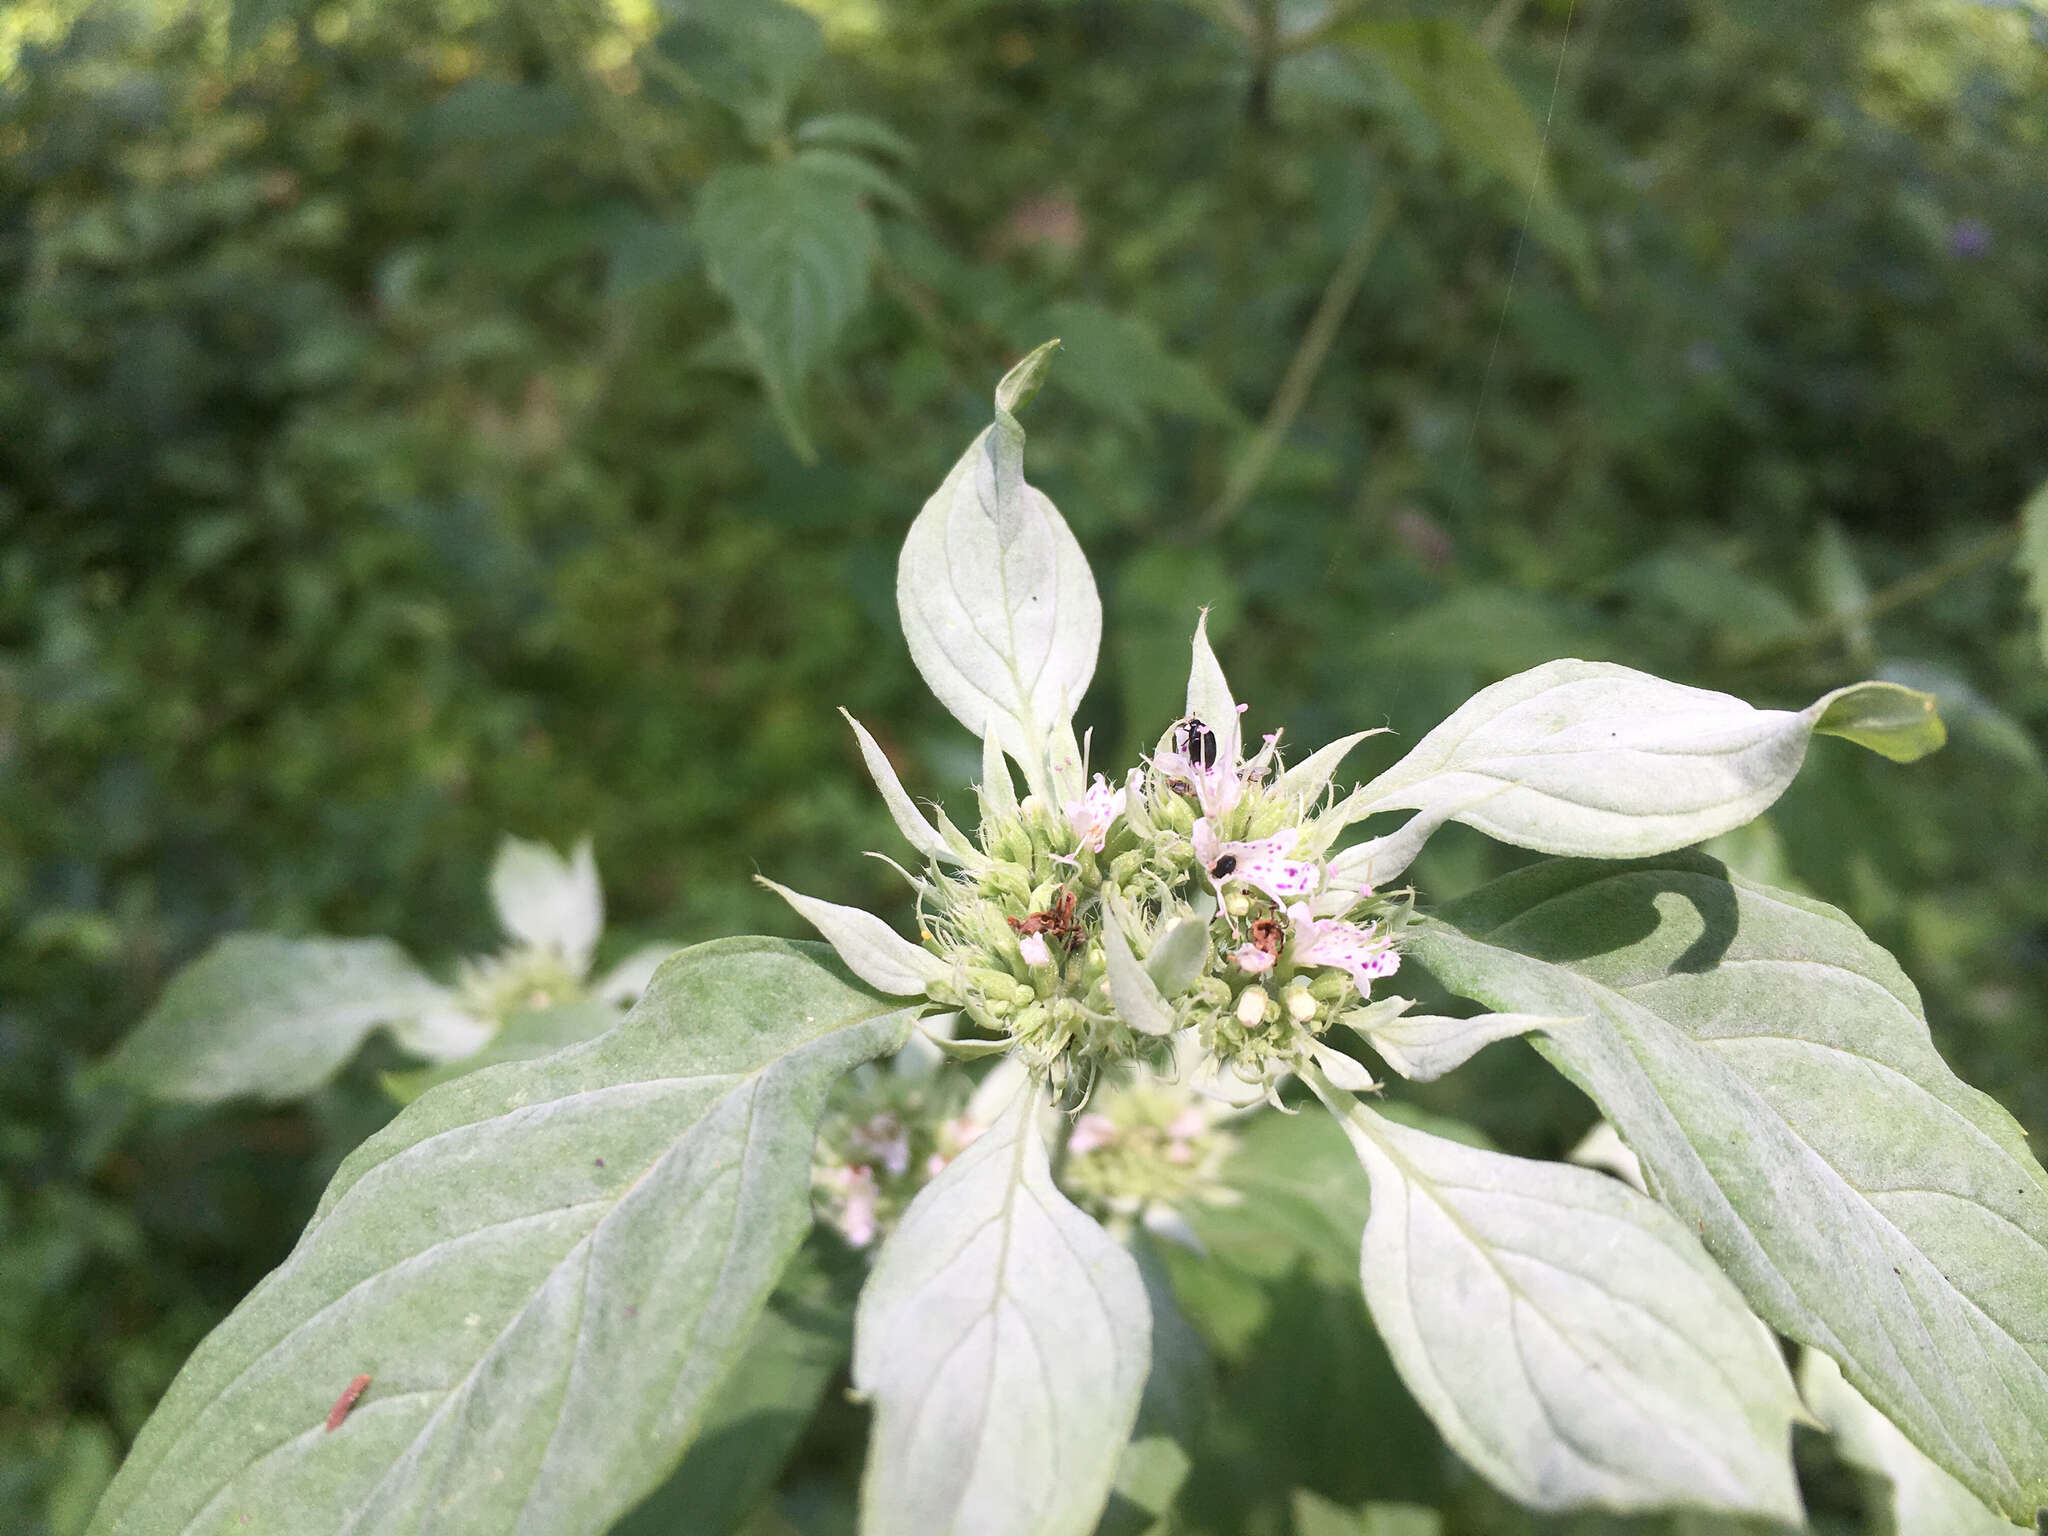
1890	719
1022	383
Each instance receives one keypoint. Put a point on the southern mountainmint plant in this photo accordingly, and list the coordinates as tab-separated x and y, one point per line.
549	1270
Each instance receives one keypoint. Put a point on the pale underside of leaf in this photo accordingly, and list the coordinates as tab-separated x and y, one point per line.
1004	1339
871	949
1926	1501
1772	1069
545	1269
1572	1340
1000	611
1589	758
269	1016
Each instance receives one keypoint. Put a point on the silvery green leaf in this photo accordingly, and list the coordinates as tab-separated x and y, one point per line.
1569	1336
522	1262
1178	956
998	605
1347	1072
547	901
1926	1501
1304	783
1004	1339
872	950
798	1345
271	1017
1209	696
1158	1458
1772	1069
1582	757
916	828
1370	865
1423	1047
1603	1148
1131	989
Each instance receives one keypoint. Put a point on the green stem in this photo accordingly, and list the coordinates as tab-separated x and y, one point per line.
1900	594
1302	369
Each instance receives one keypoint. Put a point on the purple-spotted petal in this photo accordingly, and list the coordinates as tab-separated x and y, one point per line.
1361	950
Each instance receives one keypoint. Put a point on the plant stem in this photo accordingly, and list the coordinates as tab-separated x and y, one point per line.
1900	594
1302	368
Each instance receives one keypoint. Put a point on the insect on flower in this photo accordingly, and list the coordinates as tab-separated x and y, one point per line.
1196	742
1055	921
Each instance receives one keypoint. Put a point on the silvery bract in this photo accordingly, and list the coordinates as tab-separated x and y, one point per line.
549	1267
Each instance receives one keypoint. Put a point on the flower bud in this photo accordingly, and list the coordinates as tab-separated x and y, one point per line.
1252	1004
1301	1004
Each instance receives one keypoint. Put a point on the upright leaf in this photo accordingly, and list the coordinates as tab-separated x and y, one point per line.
790	250
998	605
546	1270
271	1017
1772	1069
1569	1336
1005	1339
1585	757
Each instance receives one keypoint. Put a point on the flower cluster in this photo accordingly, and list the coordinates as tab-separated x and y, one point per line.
885	1135
1194	898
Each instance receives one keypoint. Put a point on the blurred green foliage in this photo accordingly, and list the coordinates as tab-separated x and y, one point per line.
421	421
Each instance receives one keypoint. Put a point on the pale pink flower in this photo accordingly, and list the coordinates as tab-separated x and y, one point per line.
1264	863
1092	815
1034	949
1091	1132
1362	950
857	1196
884	1140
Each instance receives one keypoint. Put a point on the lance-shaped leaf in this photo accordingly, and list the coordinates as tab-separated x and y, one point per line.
268	1016
545	1269
1132	990
1925	1500
915	826
1772	1069
1583	757
799	1344
1422	1047
872	950
1004	1339
1569	1336
1304	783
1209	697
547	901
998	605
